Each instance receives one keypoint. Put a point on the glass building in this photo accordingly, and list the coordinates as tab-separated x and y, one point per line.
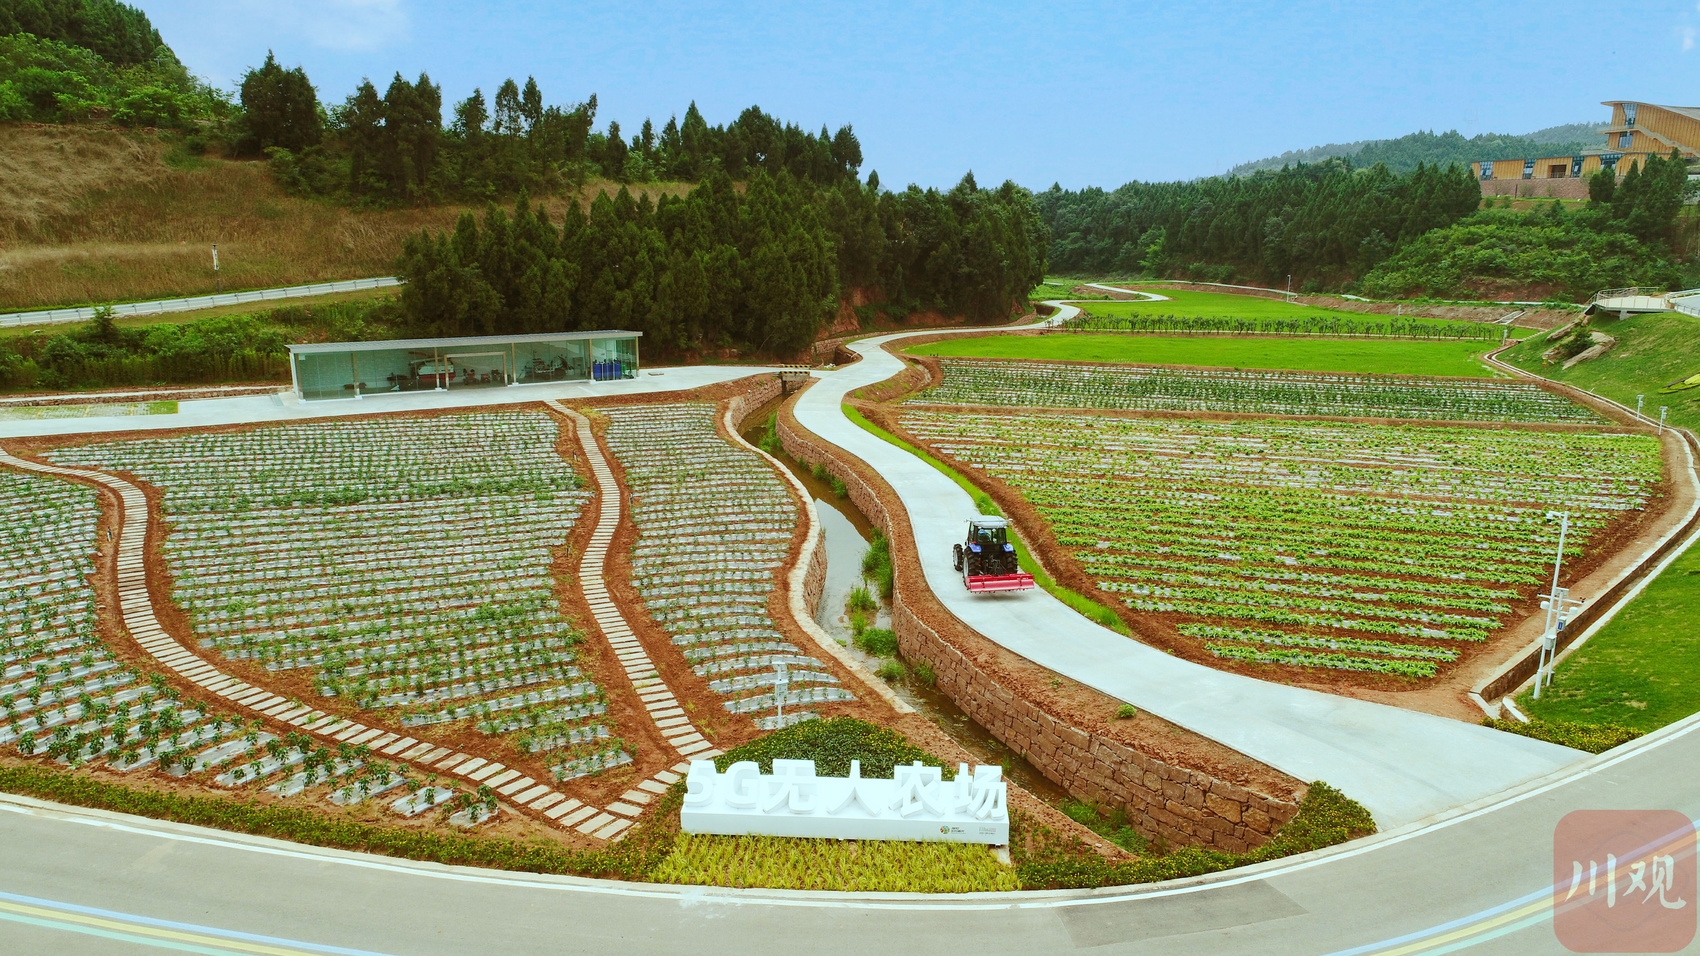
325	370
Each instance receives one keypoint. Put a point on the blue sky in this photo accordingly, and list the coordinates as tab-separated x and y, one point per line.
1073	92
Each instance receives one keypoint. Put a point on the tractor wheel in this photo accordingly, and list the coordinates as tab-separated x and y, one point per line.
956	557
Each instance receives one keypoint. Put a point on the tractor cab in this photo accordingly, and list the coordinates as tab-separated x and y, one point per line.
987	559
985	536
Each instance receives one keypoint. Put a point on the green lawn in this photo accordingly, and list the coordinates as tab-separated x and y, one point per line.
1652	352
1642	669
1219	305
1375	356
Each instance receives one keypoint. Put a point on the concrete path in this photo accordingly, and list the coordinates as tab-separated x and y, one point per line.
1147	296
1402	765
284	407
135	608
663	709
194	303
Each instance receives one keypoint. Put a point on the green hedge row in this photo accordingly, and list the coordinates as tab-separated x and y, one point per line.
1326	817
1594	738
633	858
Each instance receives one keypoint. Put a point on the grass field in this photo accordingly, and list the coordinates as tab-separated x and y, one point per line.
1218	305
92	215
1381	357
1652	352
1642	670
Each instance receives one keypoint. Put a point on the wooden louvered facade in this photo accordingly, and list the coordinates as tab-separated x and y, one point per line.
1637	131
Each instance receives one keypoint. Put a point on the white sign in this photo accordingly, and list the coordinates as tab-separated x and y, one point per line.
916	804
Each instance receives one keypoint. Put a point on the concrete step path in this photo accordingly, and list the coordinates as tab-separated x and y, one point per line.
135	606
1402	765
663	707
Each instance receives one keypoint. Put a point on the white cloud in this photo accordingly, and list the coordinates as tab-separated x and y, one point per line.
342	25
1687	39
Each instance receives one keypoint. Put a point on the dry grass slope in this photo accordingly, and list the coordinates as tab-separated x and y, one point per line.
94	215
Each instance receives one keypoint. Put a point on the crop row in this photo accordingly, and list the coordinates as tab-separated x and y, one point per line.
1330	325
714	527
405	565
1351	547
1142	388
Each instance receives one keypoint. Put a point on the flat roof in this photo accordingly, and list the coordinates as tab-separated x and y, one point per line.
319	348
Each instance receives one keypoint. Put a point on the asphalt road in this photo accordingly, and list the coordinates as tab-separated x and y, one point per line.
1477	876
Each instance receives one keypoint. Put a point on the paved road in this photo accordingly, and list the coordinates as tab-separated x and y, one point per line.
1480	875
194	303
1401	764
284	407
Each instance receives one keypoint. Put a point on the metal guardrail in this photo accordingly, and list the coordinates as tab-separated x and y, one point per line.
193	303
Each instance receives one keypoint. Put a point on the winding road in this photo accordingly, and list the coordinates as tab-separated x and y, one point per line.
1401	764
1464	859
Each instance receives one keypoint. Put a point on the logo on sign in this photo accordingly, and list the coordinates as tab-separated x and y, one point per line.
1624	881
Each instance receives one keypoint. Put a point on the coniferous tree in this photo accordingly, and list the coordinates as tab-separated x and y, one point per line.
281	108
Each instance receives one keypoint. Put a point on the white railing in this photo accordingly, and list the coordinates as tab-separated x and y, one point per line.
194	303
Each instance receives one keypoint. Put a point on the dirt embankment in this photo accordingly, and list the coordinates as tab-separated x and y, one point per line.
94	214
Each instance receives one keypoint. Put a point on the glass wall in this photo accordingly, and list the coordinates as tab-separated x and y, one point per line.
564	361
451	365
613	359
325	375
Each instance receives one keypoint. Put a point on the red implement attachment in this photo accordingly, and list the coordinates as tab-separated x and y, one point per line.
1020	581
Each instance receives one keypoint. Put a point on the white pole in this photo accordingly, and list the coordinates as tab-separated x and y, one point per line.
1663	411
1638	400
216	276
1555	602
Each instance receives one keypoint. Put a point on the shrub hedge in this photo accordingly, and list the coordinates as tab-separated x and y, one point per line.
1594	738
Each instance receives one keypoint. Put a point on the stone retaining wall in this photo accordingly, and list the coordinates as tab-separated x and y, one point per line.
1180	806
740	408
1568	188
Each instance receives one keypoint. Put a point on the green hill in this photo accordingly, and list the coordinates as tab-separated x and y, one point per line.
1403	153
1652	351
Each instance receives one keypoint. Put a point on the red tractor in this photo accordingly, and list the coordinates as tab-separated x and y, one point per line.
987	559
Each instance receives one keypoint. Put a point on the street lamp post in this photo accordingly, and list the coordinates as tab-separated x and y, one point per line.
1663	411
781	686
1554	603
1638	400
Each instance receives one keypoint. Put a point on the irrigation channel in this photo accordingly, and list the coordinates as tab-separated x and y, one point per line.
847	533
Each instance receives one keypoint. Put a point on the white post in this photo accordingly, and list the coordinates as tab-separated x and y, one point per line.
781	686
1638	400
1663	411
1555	608
216	276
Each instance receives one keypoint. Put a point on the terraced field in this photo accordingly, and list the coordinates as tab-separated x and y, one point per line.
1349	547
714	527
66	696
403	564
1150	388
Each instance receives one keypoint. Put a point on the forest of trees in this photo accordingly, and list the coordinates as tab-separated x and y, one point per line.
1629	233
761	268
1402	154
393	146
1323	224
780	233
66	60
